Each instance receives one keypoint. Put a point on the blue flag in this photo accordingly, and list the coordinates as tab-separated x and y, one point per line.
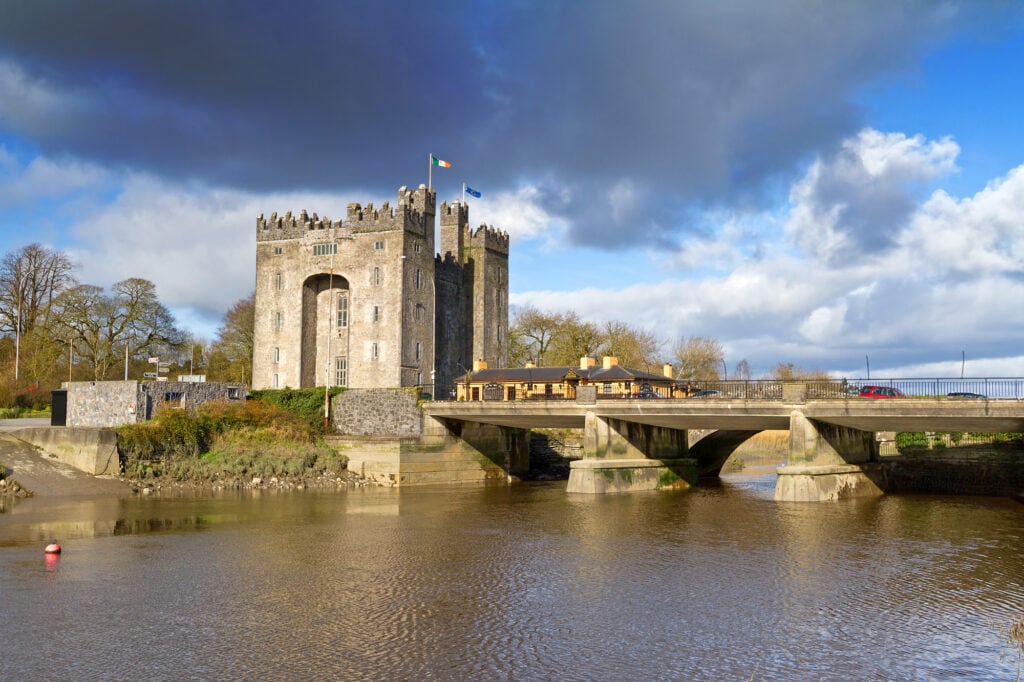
472	192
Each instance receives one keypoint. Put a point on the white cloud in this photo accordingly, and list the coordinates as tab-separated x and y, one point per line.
196	244
30	104
980	234
521	213
45	178
850	205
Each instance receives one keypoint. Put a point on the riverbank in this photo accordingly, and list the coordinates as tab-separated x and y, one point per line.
311	481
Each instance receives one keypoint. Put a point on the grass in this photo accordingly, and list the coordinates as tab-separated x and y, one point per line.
21	412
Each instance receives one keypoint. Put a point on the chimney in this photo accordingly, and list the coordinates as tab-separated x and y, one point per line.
610	361
587	362
666	369
479	365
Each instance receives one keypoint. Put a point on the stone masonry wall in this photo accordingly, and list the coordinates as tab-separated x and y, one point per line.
115	403
103	403
186	395
377	412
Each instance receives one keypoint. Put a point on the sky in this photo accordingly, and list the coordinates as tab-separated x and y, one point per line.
835	185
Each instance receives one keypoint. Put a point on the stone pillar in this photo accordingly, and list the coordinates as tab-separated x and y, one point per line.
622	456
827	462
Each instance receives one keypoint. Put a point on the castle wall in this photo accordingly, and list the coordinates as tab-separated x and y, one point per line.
381	264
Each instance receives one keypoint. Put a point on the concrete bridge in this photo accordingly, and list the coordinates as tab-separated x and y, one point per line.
643	444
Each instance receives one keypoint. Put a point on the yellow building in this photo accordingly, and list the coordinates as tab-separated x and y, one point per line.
611	380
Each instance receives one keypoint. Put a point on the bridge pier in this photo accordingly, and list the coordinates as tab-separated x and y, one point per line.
623	456
827	462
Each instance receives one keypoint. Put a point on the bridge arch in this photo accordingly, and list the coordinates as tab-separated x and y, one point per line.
715	447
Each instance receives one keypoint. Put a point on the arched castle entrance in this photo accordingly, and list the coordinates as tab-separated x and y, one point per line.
326	306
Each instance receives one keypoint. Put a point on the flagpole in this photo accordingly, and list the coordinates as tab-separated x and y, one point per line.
430	171
463	192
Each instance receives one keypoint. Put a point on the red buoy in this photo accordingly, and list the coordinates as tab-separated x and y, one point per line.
52	548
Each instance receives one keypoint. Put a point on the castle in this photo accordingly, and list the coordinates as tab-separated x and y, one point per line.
367	303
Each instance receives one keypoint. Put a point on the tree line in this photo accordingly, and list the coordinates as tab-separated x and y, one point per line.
54	328
551	339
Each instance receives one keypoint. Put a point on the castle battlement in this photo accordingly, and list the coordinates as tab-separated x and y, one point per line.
289	226
414	212
456	213
490	238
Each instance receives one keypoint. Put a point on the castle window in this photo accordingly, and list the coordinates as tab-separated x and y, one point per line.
377	279
417	312
378	245
419	278
325	249
419	378
499	334
277	250
416	247
418	349
278	321
374	351
342	311
278	281
376	313
340	372
275	355
273	382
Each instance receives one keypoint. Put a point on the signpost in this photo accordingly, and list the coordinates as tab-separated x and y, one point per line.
150	375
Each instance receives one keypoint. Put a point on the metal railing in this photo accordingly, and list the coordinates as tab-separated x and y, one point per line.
996	388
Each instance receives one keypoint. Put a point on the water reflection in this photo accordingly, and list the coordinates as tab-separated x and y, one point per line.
524	582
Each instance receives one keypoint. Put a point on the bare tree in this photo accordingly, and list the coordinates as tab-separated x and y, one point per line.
742	370
98	326
535	331
575	339
787	371
231	352
30	279
700	358
634	347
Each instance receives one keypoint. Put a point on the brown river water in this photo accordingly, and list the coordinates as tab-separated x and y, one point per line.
523	582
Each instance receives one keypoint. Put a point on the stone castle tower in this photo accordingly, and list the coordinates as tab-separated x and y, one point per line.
367	303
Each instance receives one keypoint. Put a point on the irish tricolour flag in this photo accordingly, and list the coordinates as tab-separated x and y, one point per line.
434	161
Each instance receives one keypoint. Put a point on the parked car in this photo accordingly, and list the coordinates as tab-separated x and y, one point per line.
705	394
879	392
965	395
647	392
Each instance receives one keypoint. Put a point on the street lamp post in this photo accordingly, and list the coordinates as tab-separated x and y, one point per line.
330	332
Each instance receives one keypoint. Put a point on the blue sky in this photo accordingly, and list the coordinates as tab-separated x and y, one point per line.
806	182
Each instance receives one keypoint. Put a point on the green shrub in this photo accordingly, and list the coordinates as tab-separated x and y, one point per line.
226	440
910	440
307	402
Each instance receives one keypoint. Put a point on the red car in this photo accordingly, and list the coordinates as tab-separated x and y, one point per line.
879	392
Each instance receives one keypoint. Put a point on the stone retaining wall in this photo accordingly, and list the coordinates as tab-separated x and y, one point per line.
93	451
377	412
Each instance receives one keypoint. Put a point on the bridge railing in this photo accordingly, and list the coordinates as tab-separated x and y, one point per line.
1011	388
1008	388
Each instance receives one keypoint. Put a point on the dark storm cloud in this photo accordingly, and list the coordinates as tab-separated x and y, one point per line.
672	104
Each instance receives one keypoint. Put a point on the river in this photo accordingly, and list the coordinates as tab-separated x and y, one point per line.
513	583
